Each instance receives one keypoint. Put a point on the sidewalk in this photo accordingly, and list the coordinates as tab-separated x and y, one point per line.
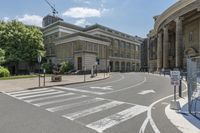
184	121
22	84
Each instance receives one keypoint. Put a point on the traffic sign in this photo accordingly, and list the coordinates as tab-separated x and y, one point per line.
175	78
39	59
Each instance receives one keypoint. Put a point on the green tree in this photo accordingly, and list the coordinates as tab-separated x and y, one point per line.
21	43
65	67
2	56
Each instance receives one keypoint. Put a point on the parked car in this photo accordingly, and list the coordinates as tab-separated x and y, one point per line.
71	72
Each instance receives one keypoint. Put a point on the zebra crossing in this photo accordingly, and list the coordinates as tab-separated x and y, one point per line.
55	101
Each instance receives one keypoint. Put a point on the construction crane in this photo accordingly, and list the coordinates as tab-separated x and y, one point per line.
54	11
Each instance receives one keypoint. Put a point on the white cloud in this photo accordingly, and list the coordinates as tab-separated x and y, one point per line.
82	22
82	12
105	10
31	20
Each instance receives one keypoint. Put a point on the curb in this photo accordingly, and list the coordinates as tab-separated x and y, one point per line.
64	84
178	120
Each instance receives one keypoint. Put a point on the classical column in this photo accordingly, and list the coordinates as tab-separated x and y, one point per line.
179	43
159	51
165	48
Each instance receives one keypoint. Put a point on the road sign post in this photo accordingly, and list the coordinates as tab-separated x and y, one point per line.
44	71
175	81
39	61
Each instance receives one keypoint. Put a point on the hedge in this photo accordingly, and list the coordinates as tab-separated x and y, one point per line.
4	72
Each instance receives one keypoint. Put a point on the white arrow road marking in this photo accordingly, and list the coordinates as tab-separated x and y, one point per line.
146	92
79	90
115	119
49	97
103	88
58	101
63	107
86	112
149	116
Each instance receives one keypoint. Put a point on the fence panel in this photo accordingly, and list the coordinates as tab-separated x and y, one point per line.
193	78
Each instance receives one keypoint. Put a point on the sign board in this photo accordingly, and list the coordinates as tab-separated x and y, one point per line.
39	59
175	78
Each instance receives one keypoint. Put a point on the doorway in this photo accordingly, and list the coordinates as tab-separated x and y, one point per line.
79	62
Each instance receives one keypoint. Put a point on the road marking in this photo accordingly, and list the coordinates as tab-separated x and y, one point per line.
79	90
58	101
27	93
103	88
24	91
149	116
117	118
49	97
86	112
121	78
123	89
46	94
146	92
63	107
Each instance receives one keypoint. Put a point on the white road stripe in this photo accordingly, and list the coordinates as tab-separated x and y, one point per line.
46	94
28	93
79	90
86	112
115	119
24	91
60	100
49	97
63	107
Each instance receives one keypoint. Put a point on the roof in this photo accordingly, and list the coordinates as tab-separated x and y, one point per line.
64	24
104	27
84	35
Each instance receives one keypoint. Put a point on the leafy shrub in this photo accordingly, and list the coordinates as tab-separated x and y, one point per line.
48	67
4	72
65	67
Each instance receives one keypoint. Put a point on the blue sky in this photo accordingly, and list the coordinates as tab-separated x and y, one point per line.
134	17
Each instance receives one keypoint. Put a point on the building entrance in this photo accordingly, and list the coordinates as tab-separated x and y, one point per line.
79	63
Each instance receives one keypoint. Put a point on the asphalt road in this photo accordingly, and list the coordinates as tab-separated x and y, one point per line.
124	103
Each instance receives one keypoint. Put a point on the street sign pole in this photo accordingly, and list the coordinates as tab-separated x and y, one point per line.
84	74
44	71
175	93
180	88
175	81
39	76
39	61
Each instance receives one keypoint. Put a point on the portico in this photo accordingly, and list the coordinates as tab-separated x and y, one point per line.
177	31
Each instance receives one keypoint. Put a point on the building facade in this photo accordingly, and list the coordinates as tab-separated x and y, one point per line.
91	46
175	37
144	55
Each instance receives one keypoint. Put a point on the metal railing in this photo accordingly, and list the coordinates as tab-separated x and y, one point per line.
193	78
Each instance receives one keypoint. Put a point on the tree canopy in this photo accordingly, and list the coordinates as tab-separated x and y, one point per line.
20	42
2	56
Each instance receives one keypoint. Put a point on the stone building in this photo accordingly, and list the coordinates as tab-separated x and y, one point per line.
144	55
91	46
175	37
